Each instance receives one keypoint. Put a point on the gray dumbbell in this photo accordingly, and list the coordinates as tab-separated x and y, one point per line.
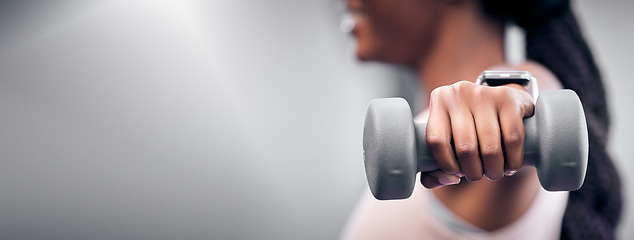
395	149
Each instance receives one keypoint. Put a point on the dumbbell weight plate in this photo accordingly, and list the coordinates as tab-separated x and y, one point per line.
562	140
389	144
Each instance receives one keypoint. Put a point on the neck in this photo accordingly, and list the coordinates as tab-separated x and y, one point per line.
467	44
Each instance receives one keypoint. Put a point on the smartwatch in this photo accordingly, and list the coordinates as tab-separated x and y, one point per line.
499	78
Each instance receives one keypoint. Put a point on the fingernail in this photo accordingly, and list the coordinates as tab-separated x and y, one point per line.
510	173
449	180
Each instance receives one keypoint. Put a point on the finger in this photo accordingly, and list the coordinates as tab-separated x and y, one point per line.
466	143
513	133
438	178
488	131
438	137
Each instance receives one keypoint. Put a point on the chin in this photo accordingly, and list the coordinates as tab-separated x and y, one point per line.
373	51
361	52
367	53
365	57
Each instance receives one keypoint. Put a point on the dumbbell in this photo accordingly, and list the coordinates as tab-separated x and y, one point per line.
395	149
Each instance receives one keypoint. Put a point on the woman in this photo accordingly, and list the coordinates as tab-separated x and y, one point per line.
448	41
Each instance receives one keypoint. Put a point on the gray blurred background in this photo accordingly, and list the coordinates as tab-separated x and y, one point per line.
144	119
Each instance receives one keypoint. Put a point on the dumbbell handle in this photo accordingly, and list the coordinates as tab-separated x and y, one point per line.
427	163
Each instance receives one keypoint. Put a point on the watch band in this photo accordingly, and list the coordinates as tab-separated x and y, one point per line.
499	78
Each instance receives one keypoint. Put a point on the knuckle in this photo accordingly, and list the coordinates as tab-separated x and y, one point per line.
514	139
522	109
436	142
465	151
434	94
463	85
439	91
491	152
437	95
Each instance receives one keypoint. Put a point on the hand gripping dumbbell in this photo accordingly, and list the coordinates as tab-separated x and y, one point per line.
395	149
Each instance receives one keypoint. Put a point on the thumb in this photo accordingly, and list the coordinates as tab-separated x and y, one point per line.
438	178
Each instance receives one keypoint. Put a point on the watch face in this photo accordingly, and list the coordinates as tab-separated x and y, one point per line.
507	75
497	78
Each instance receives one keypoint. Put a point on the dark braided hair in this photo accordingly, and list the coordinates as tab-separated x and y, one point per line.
554	39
